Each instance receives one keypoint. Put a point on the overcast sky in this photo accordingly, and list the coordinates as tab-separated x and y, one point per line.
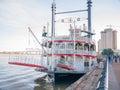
17	15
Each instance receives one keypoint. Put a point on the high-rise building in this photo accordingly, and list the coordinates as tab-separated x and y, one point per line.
99	45
108	39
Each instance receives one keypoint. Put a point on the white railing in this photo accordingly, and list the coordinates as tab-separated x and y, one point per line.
92	53
79	51
76	38
71	51
86	52
28	59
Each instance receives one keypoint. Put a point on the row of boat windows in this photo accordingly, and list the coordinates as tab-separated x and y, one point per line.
78	46
64	59
68	58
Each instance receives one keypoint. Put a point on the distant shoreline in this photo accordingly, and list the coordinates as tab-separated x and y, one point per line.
21	53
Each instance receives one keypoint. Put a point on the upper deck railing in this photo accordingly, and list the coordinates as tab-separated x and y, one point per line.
71	51
66	37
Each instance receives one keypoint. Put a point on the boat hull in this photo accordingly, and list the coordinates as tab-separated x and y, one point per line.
62	77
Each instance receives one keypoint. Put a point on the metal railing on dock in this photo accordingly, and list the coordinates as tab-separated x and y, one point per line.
103	81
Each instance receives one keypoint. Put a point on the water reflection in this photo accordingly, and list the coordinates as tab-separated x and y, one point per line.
42	84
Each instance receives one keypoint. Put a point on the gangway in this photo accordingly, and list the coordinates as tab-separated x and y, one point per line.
28	59
25	64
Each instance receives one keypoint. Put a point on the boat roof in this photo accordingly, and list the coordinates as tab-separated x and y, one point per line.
89	33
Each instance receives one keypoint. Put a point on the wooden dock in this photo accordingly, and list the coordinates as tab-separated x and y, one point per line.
88	81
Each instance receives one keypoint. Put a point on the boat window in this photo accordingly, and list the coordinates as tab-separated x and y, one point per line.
57	45
62	60
50	45
86	62
70	61
62	45
70	58
70	45
86	47
78	46
92	47
81	47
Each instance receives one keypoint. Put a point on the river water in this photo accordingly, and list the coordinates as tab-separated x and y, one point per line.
13	77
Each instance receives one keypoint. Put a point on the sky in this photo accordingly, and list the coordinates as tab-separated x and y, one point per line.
17	15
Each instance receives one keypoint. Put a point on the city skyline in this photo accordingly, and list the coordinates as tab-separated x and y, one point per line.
17	16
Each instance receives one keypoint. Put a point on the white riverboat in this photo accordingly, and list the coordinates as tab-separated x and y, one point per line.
66	55
73	54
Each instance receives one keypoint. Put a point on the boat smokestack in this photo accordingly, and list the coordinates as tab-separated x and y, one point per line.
89	2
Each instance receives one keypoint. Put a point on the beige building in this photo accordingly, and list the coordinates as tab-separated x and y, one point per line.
99	45
108	39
